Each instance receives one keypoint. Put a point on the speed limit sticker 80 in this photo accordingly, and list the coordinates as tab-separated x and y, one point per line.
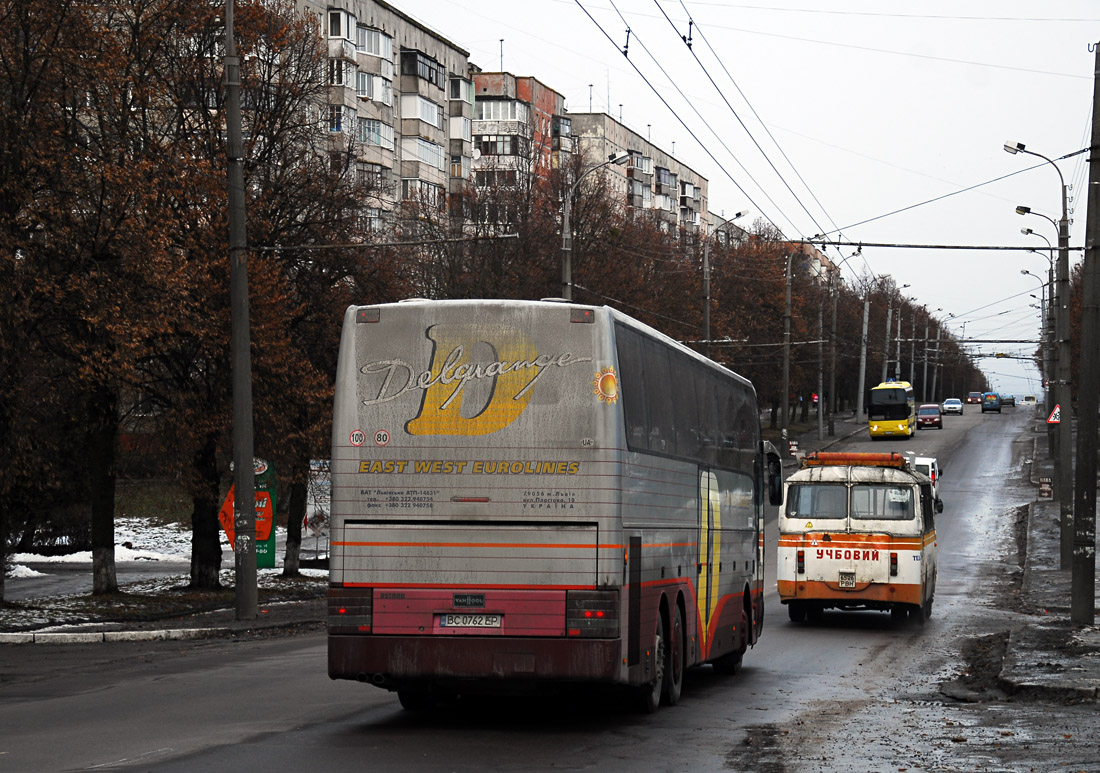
358	437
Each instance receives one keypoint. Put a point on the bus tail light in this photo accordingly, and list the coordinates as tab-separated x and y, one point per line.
592	614
802	562
349	610
893	564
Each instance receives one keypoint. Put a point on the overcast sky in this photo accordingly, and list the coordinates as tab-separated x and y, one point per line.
865	109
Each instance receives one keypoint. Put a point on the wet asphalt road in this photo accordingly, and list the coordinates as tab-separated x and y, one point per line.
855	692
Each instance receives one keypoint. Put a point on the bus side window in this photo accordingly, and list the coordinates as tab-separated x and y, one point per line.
927	507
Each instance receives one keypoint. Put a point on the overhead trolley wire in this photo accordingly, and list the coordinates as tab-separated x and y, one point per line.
682	122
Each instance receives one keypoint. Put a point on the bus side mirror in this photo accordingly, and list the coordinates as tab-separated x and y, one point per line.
774	474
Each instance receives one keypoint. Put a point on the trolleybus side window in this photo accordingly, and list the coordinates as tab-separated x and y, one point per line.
883	503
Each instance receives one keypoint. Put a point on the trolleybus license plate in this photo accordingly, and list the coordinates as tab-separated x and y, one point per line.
469	621
847	580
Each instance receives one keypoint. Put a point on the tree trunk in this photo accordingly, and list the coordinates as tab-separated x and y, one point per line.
206	550
775	415
296	512
103	411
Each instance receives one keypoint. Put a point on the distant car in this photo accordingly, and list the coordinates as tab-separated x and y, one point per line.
1030	400
991	402
952	405
1008	400
929	416
974	398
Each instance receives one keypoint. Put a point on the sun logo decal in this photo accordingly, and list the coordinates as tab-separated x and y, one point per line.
606	386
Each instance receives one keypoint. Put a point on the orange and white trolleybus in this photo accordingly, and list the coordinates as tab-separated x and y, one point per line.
857	531
531	494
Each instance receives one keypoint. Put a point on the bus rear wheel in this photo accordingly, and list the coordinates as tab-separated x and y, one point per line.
674	668
796	611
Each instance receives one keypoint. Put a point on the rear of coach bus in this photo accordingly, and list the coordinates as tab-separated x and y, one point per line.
474	535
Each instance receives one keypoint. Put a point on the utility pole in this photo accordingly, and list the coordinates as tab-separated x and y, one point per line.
244	486
886	345
924	378
936	364
1064	467
820	370
1083	604
897	361
832	362
863	354
913	347
786	361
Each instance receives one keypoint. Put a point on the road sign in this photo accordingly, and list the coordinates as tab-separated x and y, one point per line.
1055	415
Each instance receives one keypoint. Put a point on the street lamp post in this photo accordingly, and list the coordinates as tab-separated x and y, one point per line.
1064	460
620	157
1048	333
889	319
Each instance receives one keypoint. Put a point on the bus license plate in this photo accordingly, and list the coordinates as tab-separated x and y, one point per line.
847	580
469	621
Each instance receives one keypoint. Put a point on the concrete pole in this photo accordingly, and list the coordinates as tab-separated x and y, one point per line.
832	365
913	348
567	246
863	355
706	296
936	366
1083	605
886	345
244	485
820	370
1063	485
786	401
924	378
897	361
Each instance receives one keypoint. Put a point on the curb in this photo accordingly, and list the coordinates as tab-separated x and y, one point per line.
95	637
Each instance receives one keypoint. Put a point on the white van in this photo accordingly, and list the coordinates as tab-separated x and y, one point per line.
927	465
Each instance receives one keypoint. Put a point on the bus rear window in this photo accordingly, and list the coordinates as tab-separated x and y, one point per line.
882	503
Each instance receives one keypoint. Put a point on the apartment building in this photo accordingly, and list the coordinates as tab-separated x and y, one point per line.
401	95
518	127
652	181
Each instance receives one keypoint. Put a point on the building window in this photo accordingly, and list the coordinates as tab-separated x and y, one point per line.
495	178
422	66
341	24
424	192
462	90
383	90
496	144
372	175
373	42
424	109
371	131
341	119
424	151
501	110
460	166
364	83
339	72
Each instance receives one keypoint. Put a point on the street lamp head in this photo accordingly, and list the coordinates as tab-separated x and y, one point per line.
739	215
1022	210
1013	147
618	157
1026	231
1024	271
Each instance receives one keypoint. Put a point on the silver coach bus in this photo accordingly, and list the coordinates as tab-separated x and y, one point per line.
531	494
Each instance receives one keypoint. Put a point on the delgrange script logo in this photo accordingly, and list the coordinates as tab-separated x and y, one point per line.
514	373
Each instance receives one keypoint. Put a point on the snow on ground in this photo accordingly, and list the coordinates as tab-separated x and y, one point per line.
138	539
